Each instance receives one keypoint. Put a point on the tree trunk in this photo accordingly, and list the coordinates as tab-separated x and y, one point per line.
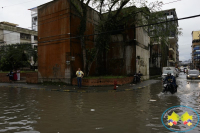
90	63
84	54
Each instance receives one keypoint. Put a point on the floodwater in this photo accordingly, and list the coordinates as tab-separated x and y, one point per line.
138	111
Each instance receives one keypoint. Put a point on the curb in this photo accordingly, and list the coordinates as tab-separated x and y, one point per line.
79	91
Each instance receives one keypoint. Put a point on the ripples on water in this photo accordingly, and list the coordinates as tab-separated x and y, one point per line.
138	111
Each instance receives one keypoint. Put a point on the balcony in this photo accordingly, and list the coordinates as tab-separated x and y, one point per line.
196	53
196	48
196	57
171	50
171	60
173	38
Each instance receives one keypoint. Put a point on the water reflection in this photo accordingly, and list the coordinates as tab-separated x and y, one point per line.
128	111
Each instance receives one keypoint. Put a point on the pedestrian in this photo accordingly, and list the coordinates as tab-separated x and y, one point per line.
14	75
18	74
10	74
80	75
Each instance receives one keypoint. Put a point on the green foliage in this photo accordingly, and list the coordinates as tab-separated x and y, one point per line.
16	56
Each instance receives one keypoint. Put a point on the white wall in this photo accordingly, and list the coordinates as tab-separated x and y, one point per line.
11	37
142	64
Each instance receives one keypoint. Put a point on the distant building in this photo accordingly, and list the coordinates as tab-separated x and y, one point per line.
34	18
196	49
169	49
11	34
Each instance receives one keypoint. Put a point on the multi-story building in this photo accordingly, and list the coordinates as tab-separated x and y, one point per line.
11	34
196	49
34	18
60	54
169	47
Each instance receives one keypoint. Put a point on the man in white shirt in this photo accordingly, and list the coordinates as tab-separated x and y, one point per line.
80	75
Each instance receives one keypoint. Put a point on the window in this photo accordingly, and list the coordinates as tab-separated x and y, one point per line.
25	36
35	38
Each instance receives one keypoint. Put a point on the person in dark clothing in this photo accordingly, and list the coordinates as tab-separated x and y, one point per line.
171	79
10	76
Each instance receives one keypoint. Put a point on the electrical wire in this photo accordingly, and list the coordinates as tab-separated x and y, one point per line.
63	17
172	2
18	3
49	41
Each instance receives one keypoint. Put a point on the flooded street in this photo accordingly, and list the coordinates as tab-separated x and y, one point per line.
137	111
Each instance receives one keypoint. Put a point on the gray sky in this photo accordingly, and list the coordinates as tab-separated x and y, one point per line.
16	11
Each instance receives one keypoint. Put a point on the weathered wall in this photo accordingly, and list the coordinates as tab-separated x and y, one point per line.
103	82
53	29
76	50
31	77
11	37
142	51
121	56
1	37
58	20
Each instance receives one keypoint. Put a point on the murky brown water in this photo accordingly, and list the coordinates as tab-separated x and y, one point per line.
32	111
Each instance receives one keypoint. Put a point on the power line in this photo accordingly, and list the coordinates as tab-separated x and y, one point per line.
63	17
18	3
122	29
172	2
112	31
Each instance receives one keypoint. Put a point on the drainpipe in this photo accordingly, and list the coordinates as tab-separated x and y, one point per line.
135	43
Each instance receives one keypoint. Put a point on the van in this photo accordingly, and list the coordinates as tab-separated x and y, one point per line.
171	70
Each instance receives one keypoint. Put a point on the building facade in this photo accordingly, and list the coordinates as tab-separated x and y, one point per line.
169	47
196	49
60	52
11	34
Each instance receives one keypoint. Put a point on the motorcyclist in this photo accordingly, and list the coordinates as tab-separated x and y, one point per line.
171	79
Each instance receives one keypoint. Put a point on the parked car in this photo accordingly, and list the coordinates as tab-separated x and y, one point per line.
193	74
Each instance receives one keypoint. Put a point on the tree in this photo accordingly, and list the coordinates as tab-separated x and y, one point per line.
81	7
119	16
16	56
112	15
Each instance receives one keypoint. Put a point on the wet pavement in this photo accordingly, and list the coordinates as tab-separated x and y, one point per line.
70	88
137	111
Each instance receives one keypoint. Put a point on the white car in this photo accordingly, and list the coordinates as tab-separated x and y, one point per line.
193	74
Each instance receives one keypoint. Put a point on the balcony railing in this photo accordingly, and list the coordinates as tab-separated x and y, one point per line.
171	49
196	57
196	53
196	48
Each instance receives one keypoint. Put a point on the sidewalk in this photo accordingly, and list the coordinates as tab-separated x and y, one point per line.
70	88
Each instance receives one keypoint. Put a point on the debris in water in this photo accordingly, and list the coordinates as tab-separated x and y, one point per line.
151	100
92	109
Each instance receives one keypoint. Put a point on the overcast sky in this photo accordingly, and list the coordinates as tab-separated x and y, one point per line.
16	11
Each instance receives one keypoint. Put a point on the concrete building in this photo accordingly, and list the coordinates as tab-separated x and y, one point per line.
11	34
196	49
169	48
59	57
142	52
34	18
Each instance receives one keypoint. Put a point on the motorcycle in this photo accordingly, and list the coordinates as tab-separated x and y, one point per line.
137	78
169	87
